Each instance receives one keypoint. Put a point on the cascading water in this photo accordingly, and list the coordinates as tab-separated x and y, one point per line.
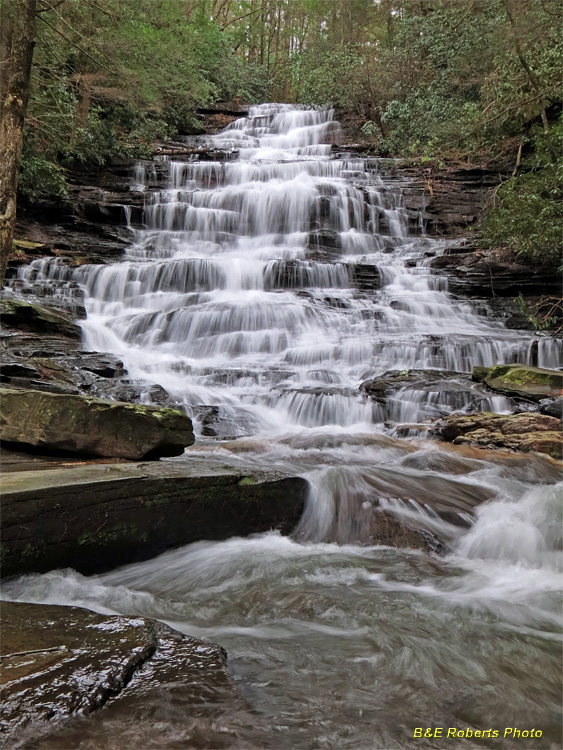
241	293
244	295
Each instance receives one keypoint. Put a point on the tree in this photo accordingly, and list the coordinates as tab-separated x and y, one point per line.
19	45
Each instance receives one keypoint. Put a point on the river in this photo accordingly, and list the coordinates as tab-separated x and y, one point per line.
240	298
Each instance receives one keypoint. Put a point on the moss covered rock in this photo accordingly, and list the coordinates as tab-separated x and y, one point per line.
521	432
533	383
92	427
36	318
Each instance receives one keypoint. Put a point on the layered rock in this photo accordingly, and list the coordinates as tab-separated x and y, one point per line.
96	517
479	274
520	432
53	361
90	426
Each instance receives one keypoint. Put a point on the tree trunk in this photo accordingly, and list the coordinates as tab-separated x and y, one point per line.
14	107
5	46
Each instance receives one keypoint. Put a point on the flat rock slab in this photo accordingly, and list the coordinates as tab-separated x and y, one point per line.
64	662
533	383
93	518
91	426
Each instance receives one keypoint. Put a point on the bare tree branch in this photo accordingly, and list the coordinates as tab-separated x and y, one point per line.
86	54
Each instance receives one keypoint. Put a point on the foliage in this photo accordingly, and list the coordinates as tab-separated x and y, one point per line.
528	216
112	77
527	213
423	78
41	177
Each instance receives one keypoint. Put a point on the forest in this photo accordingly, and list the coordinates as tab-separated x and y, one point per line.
431	80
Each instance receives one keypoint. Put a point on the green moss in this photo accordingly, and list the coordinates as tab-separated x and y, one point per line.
505	377
27	245
246	481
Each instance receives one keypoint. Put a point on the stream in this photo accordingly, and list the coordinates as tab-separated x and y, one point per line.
241	298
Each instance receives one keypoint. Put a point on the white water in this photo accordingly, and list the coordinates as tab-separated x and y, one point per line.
225	302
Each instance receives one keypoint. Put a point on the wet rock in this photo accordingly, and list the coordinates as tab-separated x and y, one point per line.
92	427
37	319
520	432
45	386
388	529
451	199
59	662
529	382
103	366
366	277
387	382
507	310
96	517
411	395
88	658
88	224
324	244
225	424
209	418
552	407
17	369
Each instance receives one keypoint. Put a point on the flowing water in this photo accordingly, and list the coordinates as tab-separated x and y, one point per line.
243	298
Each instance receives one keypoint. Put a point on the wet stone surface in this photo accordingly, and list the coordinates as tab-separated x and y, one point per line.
63	662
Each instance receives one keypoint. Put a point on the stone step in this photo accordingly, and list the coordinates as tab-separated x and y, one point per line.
94	518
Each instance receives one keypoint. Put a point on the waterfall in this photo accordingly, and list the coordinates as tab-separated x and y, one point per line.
263	290
241	292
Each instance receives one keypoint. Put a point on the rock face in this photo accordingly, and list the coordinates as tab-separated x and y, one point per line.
94	518
475	274
520	380
64	661
521	432
90	426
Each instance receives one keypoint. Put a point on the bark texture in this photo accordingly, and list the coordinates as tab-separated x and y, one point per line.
14	106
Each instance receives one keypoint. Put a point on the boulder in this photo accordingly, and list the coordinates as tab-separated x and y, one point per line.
532	383
94	518
91	426
37	318
553	407
520	432
59	662
394	531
